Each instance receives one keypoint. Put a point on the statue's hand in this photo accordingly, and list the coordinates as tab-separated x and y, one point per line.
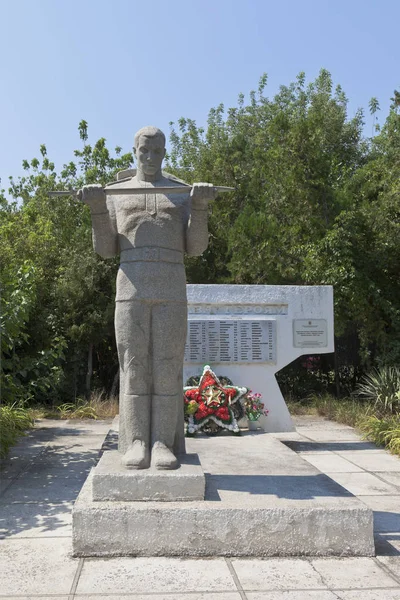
201	194
94	196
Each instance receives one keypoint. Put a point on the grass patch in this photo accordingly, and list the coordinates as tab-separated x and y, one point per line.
349	411
14	421
383	431
99	406
381	427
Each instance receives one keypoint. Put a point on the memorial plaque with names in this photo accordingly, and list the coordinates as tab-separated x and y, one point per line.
230	341
310	333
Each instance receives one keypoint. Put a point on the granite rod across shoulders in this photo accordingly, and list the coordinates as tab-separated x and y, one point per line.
109	191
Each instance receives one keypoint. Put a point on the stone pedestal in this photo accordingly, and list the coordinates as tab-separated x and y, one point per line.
112	482
261	499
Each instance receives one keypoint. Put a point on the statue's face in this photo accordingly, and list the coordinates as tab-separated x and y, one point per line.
150	153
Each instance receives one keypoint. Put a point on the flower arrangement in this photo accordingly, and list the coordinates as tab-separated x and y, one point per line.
213	403
253	406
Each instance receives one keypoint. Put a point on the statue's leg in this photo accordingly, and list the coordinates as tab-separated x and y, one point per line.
132	328
169	322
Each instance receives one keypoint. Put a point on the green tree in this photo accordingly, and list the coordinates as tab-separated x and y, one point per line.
69	305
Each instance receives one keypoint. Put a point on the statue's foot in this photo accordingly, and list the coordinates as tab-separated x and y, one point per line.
137	456
162	457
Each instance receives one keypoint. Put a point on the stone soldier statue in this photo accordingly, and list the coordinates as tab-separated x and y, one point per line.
151	232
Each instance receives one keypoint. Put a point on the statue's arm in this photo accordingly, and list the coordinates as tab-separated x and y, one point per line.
197	224
104	226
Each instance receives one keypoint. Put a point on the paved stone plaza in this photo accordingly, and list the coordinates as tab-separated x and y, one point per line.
47	469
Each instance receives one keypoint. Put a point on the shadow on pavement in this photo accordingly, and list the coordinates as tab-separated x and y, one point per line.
328	446
301	487
383	546
43	476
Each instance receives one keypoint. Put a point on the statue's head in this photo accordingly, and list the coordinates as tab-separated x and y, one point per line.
149	149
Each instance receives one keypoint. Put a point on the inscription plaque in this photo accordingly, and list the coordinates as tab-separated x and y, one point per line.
230	341
310	333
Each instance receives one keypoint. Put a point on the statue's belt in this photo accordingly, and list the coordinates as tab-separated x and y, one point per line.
150	254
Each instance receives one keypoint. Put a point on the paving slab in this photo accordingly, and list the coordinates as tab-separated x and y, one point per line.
387	543
331	463
36	520
36	566
288	435
277	574
292	595
53	486
354	572
13	597
386	512
375	462
340	447
364	484
393	478
377	594
316	422
77	442
141	575
167	596
329	435
392	563
94	426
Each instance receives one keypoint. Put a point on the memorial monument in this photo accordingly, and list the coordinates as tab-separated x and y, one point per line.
151	231
261	498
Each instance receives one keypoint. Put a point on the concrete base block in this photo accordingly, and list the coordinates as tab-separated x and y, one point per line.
112	481
262	499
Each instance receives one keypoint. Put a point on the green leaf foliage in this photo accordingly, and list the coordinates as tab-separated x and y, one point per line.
314	202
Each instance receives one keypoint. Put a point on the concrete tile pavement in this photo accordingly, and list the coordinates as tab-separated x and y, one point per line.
39	487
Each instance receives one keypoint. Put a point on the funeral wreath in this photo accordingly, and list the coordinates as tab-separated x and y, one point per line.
213	404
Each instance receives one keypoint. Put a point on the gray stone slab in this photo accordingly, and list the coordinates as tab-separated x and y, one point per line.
36	520
376	594
112	481
13	597
364	484
141	575
330	435
317	422
393	564
292	595
340	447
77	442
11	467
261	499
168	596
52	485
393	478
93	426
387	543
386	512
350	573
375	462
331	463
277	574
285	435
36	567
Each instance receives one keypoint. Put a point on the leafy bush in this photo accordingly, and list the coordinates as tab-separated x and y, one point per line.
13	422
382	386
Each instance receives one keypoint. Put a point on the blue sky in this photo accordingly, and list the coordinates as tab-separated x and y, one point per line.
123	64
